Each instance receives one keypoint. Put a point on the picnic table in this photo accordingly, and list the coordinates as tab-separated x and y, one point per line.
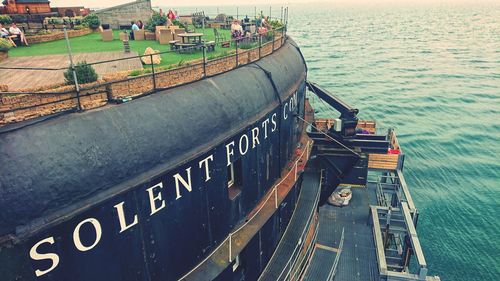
191	38
191	42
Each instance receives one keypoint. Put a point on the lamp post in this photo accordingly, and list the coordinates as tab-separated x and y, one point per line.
28	11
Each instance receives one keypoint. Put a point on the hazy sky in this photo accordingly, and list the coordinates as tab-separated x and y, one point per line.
178	3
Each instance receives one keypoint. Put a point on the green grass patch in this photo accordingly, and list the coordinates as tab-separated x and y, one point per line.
92	43
135	72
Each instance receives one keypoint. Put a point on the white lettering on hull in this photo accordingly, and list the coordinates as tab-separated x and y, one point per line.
155	192
121	218
187	184
207	170
76	234
49	256
264	126
243	144
153	198
229	152
273	120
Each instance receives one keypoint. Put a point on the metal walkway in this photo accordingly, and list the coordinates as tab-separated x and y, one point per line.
358	260
322	260
282	261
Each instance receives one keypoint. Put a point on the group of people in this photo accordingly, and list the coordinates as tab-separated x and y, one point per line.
261	24
170	15
138	25
14	33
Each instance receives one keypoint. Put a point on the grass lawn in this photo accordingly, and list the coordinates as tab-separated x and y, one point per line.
92	43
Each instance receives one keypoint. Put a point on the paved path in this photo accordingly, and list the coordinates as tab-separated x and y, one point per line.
25	79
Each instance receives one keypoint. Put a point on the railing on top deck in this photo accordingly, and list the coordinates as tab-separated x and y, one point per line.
17	106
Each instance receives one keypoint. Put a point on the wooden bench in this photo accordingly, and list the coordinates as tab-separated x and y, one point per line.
185	47
173	45
367	125
324	124
210	45
383	161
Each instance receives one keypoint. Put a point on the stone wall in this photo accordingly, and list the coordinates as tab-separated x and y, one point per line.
180	76
130	87
221	65
125	13
28	106
57	35
247	56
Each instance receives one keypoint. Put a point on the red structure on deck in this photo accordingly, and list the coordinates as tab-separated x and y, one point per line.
25	7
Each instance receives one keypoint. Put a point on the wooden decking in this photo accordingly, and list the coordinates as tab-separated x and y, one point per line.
29	79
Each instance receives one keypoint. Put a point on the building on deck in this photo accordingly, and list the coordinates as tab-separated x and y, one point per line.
123	14
71	11
25	7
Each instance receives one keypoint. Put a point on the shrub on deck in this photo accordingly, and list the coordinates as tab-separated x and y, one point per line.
5	45
5	19
91	21
156	20
276	24
85	73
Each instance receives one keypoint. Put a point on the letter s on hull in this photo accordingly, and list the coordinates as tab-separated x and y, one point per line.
49	256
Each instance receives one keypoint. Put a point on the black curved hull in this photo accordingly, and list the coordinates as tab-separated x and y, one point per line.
140	191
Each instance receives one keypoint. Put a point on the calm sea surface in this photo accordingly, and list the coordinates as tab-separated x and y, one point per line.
433	73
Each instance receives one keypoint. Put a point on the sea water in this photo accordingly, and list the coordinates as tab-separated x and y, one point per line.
431	71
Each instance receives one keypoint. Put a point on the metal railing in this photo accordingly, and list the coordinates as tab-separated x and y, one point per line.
271	201
378	214
274	191
242	50
337	257
275	12
292	260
